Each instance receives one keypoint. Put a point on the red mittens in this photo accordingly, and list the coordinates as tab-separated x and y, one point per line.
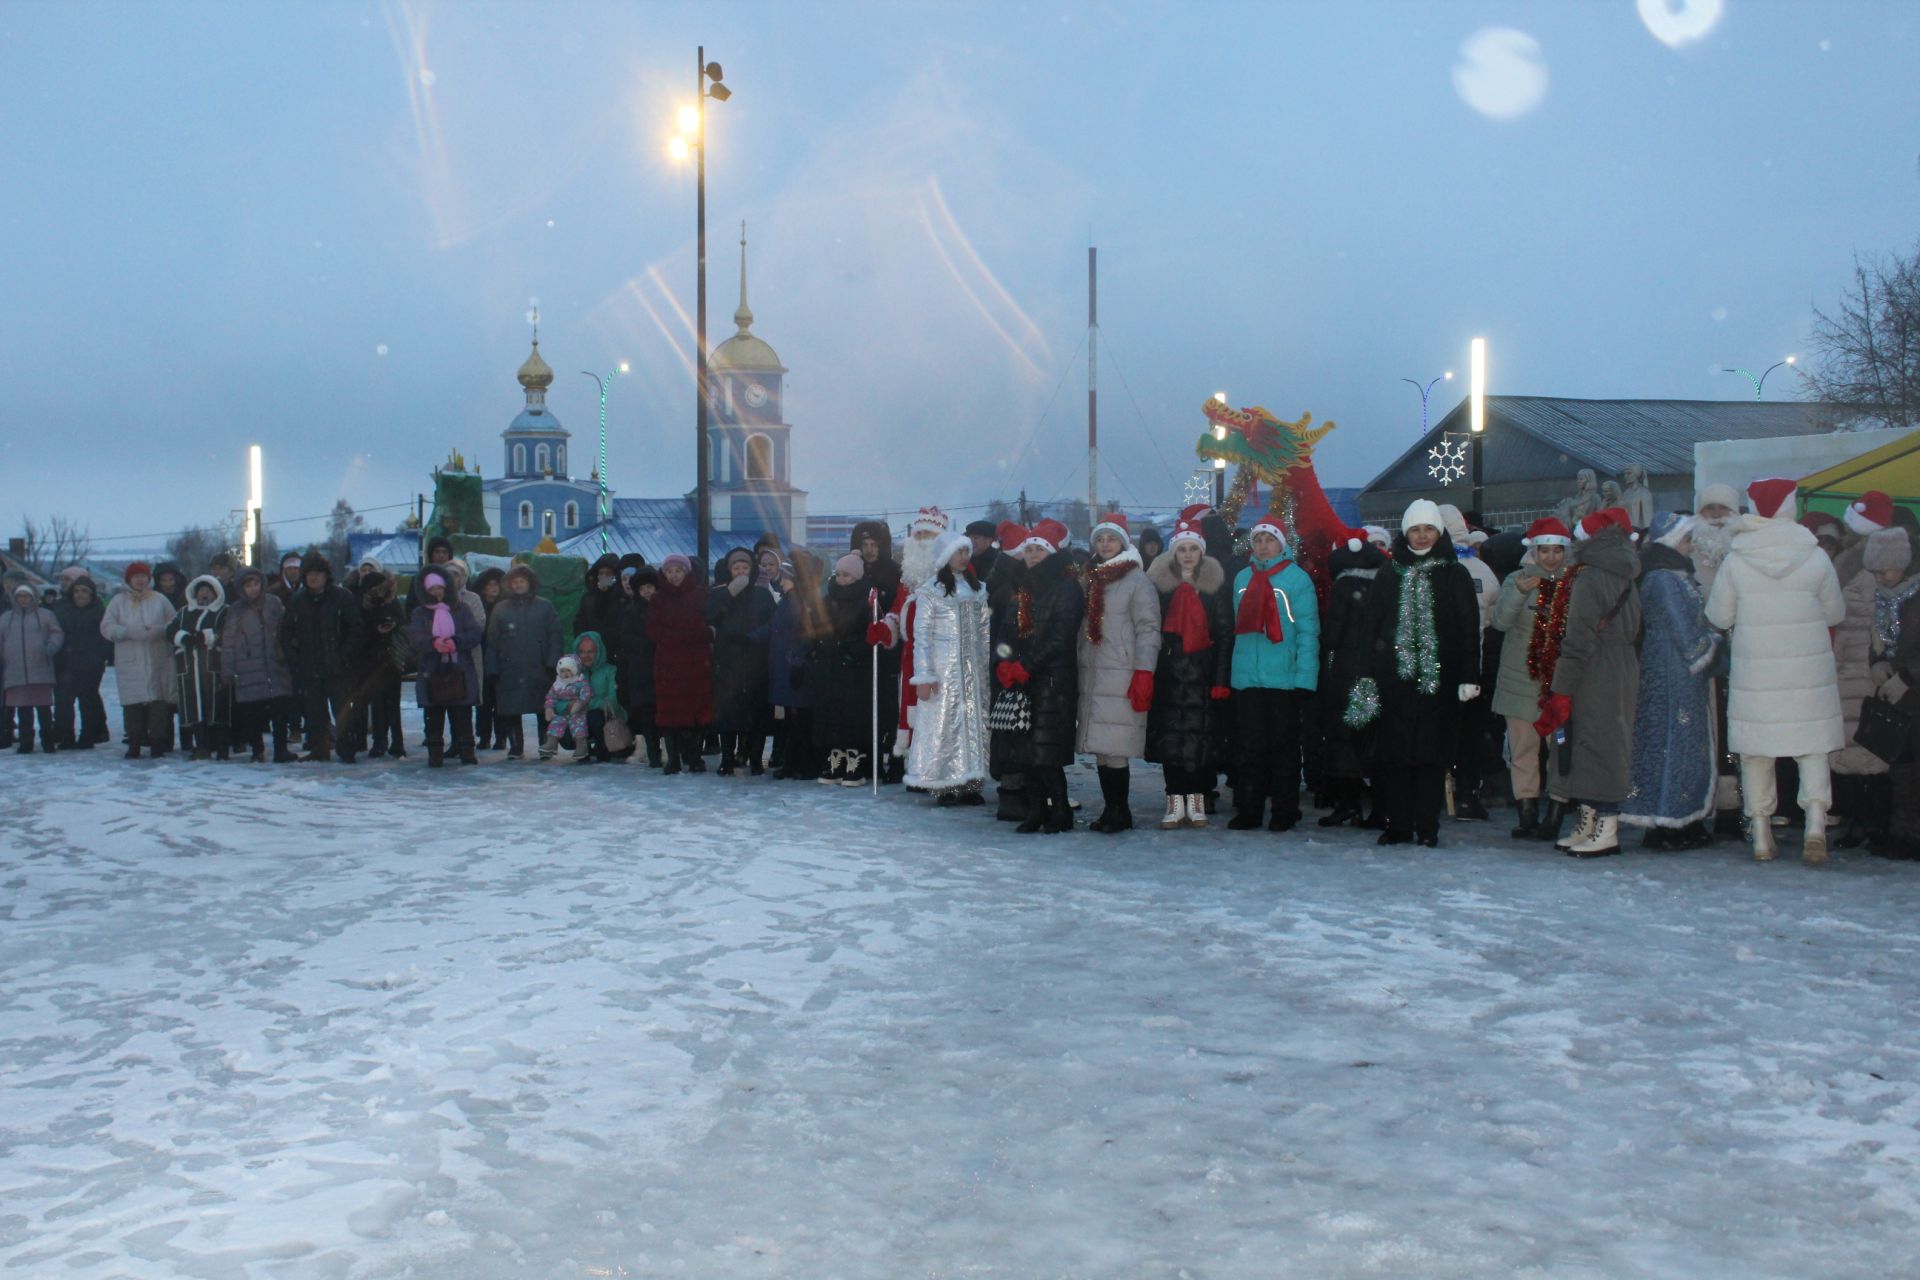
1010	674
1555	710
1140	692
879	633
1220	693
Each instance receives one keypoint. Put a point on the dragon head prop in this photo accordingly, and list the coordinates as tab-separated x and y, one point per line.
1258	442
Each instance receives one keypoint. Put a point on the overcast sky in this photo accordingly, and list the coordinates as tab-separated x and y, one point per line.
319	227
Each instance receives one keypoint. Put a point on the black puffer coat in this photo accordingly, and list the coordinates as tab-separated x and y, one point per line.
1346	654
1417	728
82	660
1184	725
1050	653
1007	752
597	606
739	659
321	632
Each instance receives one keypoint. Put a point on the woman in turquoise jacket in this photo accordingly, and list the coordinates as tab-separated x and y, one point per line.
1276	664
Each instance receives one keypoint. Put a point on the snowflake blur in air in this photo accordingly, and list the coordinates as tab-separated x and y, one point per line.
1675	23
1501	73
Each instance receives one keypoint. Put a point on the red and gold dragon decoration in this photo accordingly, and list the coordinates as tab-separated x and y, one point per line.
1269	450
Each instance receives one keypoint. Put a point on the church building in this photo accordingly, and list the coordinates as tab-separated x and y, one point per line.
538	497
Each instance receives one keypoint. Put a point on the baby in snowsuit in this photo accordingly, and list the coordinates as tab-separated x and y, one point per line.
569	690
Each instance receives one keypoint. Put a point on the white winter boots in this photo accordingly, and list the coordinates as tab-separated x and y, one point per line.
1813	850
1583	829
1605	839
1176	814
1761	831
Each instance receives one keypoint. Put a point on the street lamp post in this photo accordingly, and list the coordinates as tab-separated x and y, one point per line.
606	511
1219	464
1477	415
1424	393
1760	382
694	118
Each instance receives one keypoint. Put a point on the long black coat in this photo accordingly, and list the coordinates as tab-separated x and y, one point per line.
1007	752
840	669
1050	653
1184	724
82	660
635	663
320	633
1346	654
739	660
1416	728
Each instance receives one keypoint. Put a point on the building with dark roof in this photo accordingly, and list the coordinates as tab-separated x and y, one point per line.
1534	447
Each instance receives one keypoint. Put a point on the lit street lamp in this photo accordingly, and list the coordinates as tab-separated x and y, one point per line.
1477	417
1761	381
693	130
1219	464
606	511
1424	393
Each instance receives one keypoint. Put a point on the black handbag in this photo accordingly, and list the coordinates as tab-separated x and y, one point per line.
447	687
1885	731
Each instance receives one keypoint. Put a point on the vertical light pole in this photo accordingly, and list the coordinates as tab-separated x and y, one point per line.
1219	464
1477	421
253	530
694	120
606	509
1760	382
1424	393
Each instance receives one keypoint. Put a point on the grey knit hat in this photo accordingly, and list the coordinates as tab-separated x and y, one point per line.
1888	549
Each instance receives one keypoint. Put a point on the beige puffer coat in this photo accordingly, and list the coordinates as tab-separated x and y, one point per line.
142	656
1129	642
1853	660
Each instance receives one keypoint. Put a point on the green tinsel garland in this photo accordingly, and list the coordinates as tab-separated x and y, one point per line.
1363	704
1416	644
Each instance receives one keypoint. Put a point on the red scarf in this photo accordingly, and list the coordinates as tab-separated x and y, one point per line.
1259	611
1186	617
1097	579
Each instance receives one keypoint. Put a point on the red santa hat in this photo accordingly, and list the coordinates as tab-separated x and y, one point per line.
1769	498
1607	517
1270	523
1010	535
929	520
1115	523
1547	532
1187	531
1872	513
1050	534
1195	513
1352	539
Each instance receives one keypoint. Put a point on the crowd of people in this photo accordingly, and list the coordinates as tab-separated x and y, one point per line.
1674	679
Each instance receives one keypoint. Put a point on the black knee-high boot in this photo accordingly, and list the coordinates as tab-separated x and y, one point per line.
1116	816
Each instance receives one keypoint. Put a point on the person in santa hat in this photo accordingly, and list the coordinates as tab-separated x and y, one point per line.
1276	665
1041	659
1778	596
1117	651
1191	678
1595	688
1009	751
1424	627
1345	658
1531	614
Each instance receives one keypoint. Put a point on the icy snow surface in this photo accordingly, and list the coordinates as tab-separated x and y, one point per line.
547	1021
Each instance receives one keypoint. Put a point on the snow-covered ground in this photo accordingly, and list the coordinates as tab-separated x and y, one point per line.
546	1021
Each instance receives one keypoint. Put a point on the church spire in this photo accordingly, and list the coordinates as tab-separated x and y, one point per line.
744	316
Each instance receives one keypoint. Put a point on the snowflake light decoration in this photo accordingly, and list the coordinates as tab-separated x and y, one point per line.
1447	461
1199	487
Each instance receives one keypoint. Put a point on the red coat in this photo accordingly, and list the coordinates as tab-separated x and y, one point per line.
682	655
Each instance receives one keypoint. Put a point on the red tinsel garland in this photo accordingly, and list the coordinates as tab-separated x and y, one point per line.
1023	612
1097	579
1550	603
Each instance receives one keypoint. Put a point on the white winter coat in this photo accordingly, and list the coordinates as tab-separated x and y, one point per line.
142	655
1129	642
1777	594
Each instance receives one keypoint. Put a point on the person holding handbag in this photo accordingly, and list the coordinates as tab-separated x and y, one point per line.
444	637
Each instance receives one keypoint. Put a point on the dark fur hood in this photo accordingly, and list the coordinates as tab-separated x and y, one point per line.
1165	575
